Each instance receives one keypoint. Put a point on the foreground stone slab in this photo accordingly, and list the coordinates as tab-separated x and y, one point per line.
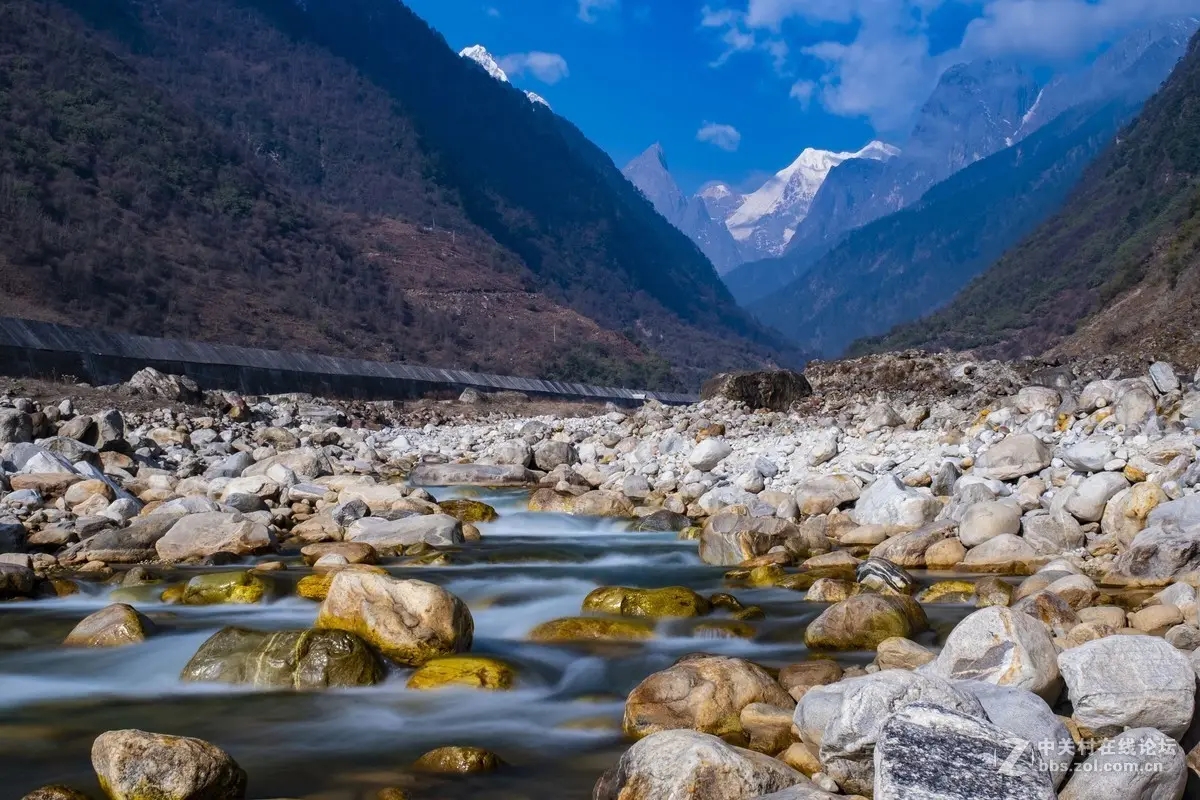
929	753
136	765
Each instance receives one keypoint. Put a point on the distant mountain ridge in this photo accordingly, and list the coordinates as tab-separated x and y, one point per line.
1117	269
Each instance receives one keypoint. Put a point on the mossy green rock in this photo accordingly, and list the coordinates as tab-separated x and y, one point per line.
310	659
241	587
458	761
863	621
671	601
56	793
583	629
471	511
137	765
477	672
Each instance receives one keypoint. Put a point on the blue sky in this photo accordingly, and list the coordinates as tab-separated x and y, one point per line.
735	89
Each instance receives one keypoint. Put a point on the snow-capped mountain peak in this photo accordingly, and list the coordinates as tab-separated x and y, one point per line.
767	218
480	55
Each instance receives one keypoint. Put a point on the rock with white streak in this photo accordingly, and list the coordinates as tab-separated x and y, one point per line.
927	752
1001	646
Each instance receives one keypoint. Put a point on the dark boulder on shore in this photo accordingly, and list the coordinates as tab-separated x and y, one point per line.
774	390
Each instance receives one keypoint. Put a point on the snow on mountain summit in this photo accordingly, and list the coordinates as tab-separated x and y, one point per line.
480	55
767	218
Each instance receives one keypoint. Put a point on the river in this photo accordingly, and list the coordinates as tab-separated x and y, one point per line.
558	729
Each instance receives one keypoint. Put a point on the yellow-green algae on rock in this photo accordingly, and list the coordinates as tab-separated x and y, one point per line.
583	629
241	587
458	760
478	672
472	511
671	601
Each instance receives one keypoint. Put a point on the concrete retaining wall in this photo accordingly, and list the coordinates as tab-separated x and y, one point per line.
45	350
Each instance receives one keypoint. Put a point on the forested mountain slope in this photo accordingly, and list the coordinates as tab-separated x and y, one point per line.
1115	269
331	176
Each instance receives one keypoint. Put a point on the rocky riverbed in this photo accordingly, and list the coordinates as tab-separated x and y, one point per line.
931	578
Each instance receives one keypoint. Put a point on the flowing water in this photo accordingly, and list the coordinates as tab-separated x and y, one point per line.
558	729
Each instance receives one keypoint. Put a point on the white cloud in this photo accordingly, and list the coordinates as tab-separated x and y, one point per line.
588	8
546	67
803	91
492	12
725	137
877	61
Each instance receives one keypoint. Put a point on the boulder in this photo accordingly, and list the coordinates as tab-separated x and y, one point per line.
128	545
1027	716
172	388
709	453
908	549
467	510
1015	456
1090	497
56	792
900	653
775	390
584	629
550	454
489	475
734	536
602	503
458	761
1134	406
112	626
15	426
1001	646
1130	681
309	462
844	719
670	601
924	751
987	520
824	494
240	587
863	621
16	580
689	765
200	535
136	765
1005	553
1126	512
1138	764
476	672
1088	455
1053	533
409	621
307	659
705	694
386	535
1158	554
887	501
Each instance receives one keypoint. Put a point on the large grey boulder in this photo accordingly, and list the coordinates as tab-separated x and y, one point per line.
200	535
1159	553
1131	681
1015	456
125	545
1089	498
1163	376
307	461
306	659
1088	455
133	764
824	494
709	453
550	454
390	535
1050	534
688	765
732	536
929	753
1027	716
492	475
987	520
1139	764
908	549
887	501
1001	646
1134	406
844	719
